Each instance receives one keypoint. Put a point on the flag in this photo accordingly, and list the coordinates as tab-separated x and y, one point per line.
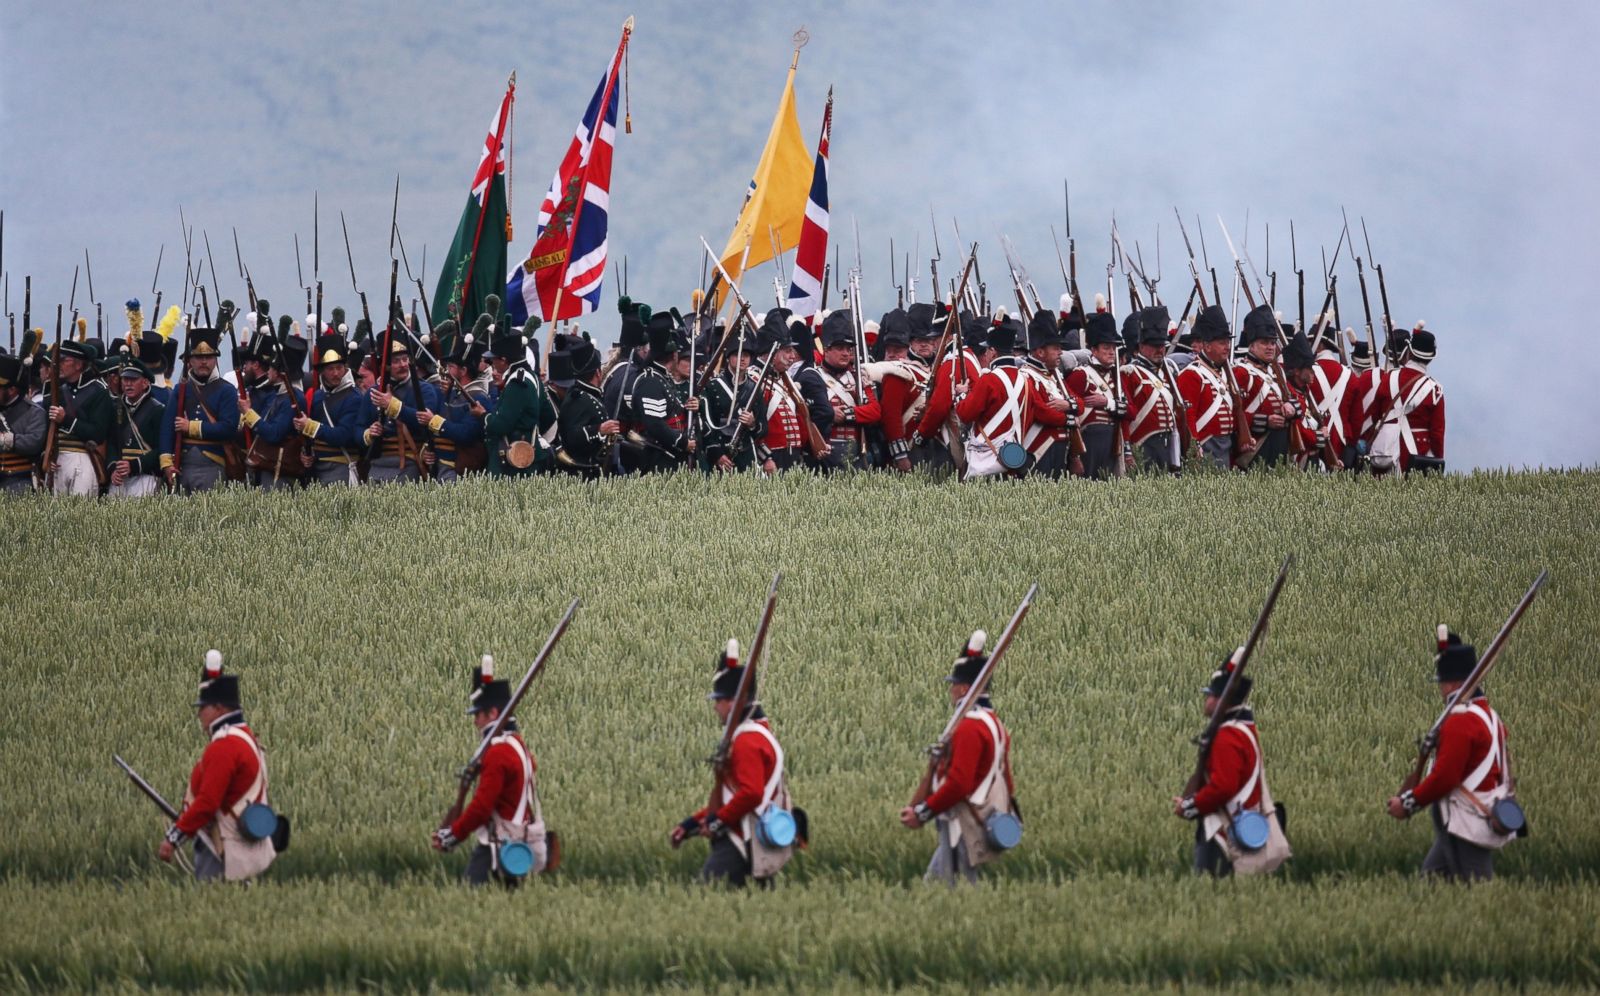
776	197
568	258
805	289
477	257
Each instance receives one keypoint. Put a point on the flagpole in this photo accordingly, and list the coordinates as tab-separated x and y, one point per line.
509	101
583	189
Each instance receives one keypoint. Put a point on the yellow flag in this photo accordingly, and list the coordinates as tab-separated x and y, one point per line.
776	199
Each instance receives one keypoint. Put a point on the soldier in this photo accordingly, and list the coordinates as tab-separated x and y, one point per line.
1328	392
1269	412
458	427
513	430
1205	388
752	782
1102	407
772	409
657	412
230	777
582	429
83	419
334	417
135	458
1235	777
1299	377
1409	403
1004	406
1151	426
723	400
267	410
847	438
23	425
505	805
397	400
1470	774
972	782
1360	396
197	437
900	376
1052	449
617	382
936	430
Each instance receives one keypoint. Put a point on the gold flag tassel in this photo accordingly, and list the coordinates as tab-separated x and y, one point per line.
627	103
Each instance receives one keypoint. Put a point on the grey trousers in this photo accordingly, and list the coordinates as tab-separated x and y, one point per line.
1097	456
725	865
330	472
263	479
207	866
1455	859
1157	450
1209	857
949	864
480	870
199	472
1219	450
388	469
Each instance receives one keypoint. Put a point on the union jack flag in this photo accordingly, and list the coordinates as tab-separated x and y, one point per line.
568	259
805	289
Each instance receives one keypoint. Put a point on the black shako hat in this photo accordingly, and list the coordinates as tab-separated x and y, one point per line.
1153	322
1455	659
1044	330
1219	680
1297	355
729	672
487	691
1423	346
838	329
894	328
1260	323
217	688
1101	330
1212	324
969	663
920	317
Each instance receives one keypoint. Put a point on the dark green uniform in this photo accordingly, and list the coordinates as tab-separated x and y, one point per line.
522	413
578	431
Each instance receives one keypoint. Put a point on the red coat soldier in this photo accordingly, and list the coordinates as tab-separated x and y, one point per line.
1151	426
957	368
230	776
1205	388
752	782
1005	405
1051	447
1269	411
1329	391
1469	777
504	809
900	377
972	782
1104	402
1409	407
839	374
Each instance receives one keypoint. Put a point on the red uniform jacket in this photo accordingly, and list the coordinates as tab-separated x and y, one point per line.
1332	384
225	772
968	762
866	413
751	762
1080	384
1210	403
1463	744
1258	389
784	430
1306	425
941	401
897	395
989	396
499	788
1147	393
1426	420
1232	760
1359	399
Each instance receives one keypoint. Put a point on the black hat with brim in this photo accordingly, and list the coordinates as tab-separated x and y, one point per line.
202	343
920	317
1101	330
1423	345
1297	355
838	329
894	328
216	688
1153	322
331	349
1212	324
1455	660
1259	324
725	685
1044	330
1219	682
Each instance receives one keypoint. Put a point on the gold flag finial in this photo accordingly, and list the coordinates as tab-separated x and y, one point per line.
800	38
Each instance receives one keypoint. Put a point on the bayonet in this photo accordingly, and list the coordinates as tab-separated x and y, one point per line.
1299	276
349	258
394	215
210	262
72	298
237	256
157	279
299	271
88	271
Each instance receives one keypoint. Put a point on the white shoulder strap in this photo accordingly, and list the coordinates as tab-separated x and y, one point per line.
1473	781
1238	801
771	789
257	792
987	719
521	815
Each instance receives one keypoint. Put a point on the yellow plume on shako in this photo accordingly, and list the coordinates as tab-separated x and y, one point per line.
169	321
135	319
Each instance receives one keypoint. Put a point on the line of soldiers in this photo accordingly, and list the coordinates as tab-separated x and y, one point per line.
972	783
1067	393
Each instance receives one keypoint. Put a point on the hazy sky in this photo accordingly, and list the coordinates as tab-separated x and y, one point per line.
1463	132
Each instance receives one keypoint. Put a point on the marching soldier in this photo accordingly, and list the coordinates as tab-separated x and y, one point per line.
505	805
1269	412
1299	377
267	410
393	457
772	409
1360	396
84	421
972	782
335	417
900	376
752	782
1235	777
1329	390
838	372
723	400
617	383
135	459
457	428
1206	390
1410	411
1151	426
936	430
230	777
657	411
1102	407
1051	450
23	425
1003	406
197	438
1469	776
513	430
582	429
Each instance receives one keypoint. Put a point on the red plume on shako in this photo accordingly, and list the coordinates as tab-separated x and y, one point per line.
217	688
970	664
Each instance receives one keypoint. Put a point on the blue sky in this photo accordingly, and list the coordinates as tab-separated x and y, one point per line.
1460	131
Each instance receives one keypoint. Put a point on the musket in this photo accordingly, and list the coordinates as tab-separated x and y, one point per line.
27	304
1205	260
167	808
72	298
1491	656
188	253
1238	661
933	263
1366	309
977	690
53	435
1383	294
744	695
1296	444
1194	272
365	311
474	765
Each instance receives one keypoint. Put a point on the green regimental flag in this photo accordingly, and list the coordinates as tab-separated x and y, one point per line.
475	266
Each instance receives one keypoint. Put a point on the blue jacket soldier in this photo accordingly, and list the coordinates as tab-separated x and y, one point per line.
197	438
335	416
396	436
466	401
22	423
267	410
84	421
658	413
617	384
134	461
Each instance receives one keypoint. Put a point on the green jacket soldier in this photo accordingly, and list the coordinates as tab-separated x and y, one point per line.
134	460
84	420
513	430
582	429
22	423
